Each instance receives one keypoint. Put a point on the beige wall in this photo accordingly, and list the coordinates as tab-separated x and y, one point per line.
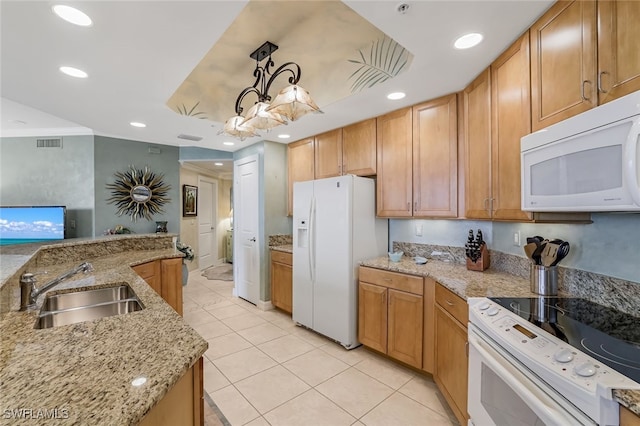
189	225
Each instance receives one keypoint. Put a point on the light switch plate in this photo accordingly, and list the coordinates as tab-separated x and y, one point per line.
516	238
419	230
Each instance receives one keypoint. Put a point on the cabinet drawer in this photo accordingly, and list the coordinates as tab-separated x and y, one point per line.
147	270
409	283
282	257
452	303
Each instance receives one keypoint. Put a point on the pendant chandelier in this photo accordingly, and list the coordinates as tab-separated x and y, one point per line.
290	104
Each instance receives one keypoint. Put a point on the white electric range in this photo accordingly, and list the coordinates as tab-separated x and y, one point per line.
549	361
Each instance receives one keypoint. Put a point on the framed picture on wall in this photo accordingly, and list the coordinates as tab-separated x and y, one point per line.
189	200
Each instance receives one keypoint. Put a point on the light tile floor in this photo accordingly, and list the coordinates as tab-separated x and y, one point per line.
262	369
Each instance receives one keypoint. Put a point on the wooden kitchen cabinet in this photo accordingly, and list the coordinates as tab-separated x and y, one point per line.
511	120
563	62
282	280
618	51
359	148
394	164
628	417
451	350
597	60
390	314
165	277
328	154
151	273
497	113
435	158
183	404
300	162
477	141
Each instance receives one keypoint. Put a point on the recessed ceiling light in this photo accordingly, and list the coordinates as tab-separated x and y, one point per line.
137	124
284	136
74	72
72	15
396	95
468	40
17	122
228	143
217	164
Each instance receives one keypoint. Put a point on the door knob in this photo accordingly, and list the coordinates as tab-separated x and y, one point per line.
253	239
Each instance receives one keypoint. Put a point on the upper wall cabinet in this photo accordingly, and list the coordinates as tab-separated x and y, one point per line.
300	165
476	100
435	158
359	148
350	150
394	188
563	62
328	154
618	49
566	79
511	120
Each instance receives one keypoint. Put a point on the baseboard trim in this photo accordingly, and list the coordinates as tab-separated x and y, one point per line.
265	305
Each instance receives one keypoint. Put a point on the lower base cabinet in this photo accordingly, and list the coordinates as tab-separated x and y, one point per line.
451	350
165	277
183	404
282	280
390	314
628	417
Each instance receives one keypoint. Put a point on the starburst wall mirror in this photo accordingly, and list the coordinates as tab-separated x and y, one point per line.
138	193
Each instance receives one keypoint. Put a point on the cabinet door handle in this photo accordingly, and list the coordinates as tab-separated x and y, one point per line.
466	348
387	279
449	303
408	207
600	89
486	204
415	206
491	200
584	97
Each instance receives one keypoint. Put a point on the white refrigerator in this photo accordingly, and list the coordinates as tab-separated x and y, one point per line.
334	228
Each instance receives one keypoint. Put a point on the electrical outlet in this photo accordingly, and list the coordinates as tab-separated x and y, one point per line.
419	230
516	238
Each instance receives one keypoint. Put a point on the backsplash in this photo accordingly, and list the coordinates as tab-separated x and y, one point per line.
280	240
609	291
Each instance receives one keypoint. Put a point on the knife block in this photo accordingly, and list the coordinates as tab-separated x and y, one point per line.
482	263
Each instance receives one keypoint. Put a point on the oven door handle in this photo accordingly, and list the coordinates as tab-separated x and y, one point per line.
535	398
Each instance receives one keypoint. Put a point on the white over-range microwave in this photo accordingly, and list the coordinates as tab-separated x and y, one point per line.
587	163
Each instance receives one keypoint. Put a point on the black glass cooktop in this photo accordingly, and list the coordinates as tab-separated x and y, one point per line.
609	336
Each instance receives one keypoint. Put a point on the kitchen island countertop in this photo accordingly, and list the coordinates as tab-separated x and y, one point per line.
490	283
87	371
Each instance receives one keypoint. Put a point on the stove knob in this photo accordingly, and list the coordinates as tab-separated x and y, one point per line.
586	369
493	311
484	306
563	355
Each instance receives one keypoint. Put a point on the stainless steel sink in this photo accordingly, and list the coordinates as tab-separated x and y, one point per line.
58	302
87	305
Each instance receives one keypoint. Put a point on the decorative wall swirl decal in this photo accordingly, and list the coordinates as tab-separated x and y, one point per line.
182	110
138	193
385	59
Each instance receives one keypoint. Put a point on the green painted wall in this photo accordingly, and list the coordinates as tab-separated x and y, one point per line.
116	155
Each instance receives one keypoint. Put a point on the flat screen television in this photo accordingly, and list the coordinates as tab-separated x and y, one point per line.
31	224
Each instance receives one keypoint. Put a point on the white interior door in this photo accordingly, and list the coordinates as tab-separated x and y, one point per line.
207	221
246	243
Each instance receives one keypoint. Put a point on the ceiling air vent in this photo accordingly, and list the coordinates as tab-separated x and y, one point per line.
49	143
189	137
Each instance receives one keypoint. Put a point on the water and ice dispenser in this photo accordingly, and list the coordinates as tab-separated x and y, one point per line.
303	233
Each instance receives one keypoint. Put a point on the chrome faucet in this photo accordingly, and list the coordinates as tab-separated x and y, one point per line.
29	293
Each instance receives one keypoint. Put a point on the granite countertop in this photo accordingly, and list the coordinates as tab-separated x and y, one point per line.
489	283
85	370
287	248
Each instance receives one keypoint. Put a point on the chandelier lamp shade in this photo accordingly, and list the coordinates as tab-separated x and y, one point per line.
290	104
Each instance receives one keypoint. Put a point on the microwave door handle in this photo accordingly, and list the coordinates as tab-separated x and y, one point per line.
533	397
631	159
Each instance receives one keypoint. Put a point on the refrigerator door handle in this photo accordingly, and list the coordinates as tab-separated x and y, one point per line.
311	238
